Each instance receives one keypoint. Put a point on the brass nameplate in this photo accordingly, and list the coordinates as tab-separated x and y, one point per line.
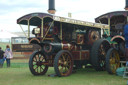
26	46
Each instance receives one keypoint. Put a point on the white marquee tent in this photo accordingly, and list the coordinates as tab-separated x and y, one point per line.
5	36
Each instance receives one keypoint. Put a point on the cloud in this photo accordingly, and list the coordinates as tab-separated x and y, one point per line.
87	10
7	6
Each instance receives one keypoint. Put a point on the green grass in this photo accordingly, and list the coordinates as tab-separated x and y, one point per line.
17	63
22	76
19	74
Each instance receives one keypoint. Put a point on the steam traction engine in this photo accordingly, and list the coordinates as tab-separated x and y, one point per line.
116	20
65	43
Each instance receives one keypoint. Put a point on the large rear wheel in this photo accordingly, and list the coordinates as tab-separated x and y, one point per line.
37	63
98	54
112	61
63	63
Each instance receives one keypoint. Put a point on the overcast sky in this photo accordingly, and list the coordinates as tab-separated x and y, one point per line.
87	10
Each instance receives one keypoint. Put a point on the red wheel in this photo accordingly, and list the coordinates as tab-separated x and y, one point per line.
63	63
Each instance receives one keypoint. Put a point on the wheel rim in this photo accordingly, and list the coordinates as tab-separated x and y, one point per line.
37	64
65	64
114	61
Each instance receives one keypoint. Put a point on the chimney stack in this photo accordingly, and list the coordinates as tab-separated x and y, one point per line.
126	5
51	9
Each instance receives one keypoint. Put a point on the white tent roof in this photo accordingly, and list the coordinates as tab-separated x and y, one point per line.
5	34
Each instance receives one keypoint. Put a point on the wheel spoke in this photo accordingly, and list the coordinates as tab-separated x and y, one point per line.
102	50
113	68
36	67
65	69
34	60
34	64
63	58
69	62
36	57
67	58
41	67
111	61
39	57
61	70
60	63
102	54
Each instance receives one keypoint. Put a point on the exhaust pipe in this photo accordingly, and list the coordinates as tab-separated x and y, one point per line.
126	5
51	9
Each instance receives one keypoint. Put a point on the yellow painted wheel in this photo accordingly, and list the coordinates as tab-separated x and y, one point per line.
112	61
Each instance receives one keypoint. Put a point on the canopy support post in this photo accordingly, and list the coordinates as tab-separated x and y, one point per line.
28	30
42	28
60	30
23	31
109	23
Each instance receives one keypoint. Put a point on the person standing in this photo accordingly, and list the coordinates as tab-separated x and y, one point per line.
126	40
8	54
1	57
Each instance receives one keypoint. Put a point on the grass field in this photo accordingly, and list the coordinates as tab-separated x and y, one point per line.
19	74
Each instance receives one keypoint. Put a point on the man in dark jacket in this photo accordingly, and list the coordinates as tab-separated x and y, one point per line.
1	57
126	40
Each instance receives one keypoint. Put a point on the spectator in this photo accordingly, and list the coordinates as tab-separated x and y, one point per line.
126	40
1	57
8	55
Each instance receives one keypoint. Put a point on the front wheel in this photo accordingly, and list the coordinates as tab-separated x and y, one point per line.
37	63
63	63
112	61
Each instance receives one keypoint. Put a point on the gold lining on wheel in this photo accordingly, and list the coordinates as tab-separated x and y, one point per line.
114	61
